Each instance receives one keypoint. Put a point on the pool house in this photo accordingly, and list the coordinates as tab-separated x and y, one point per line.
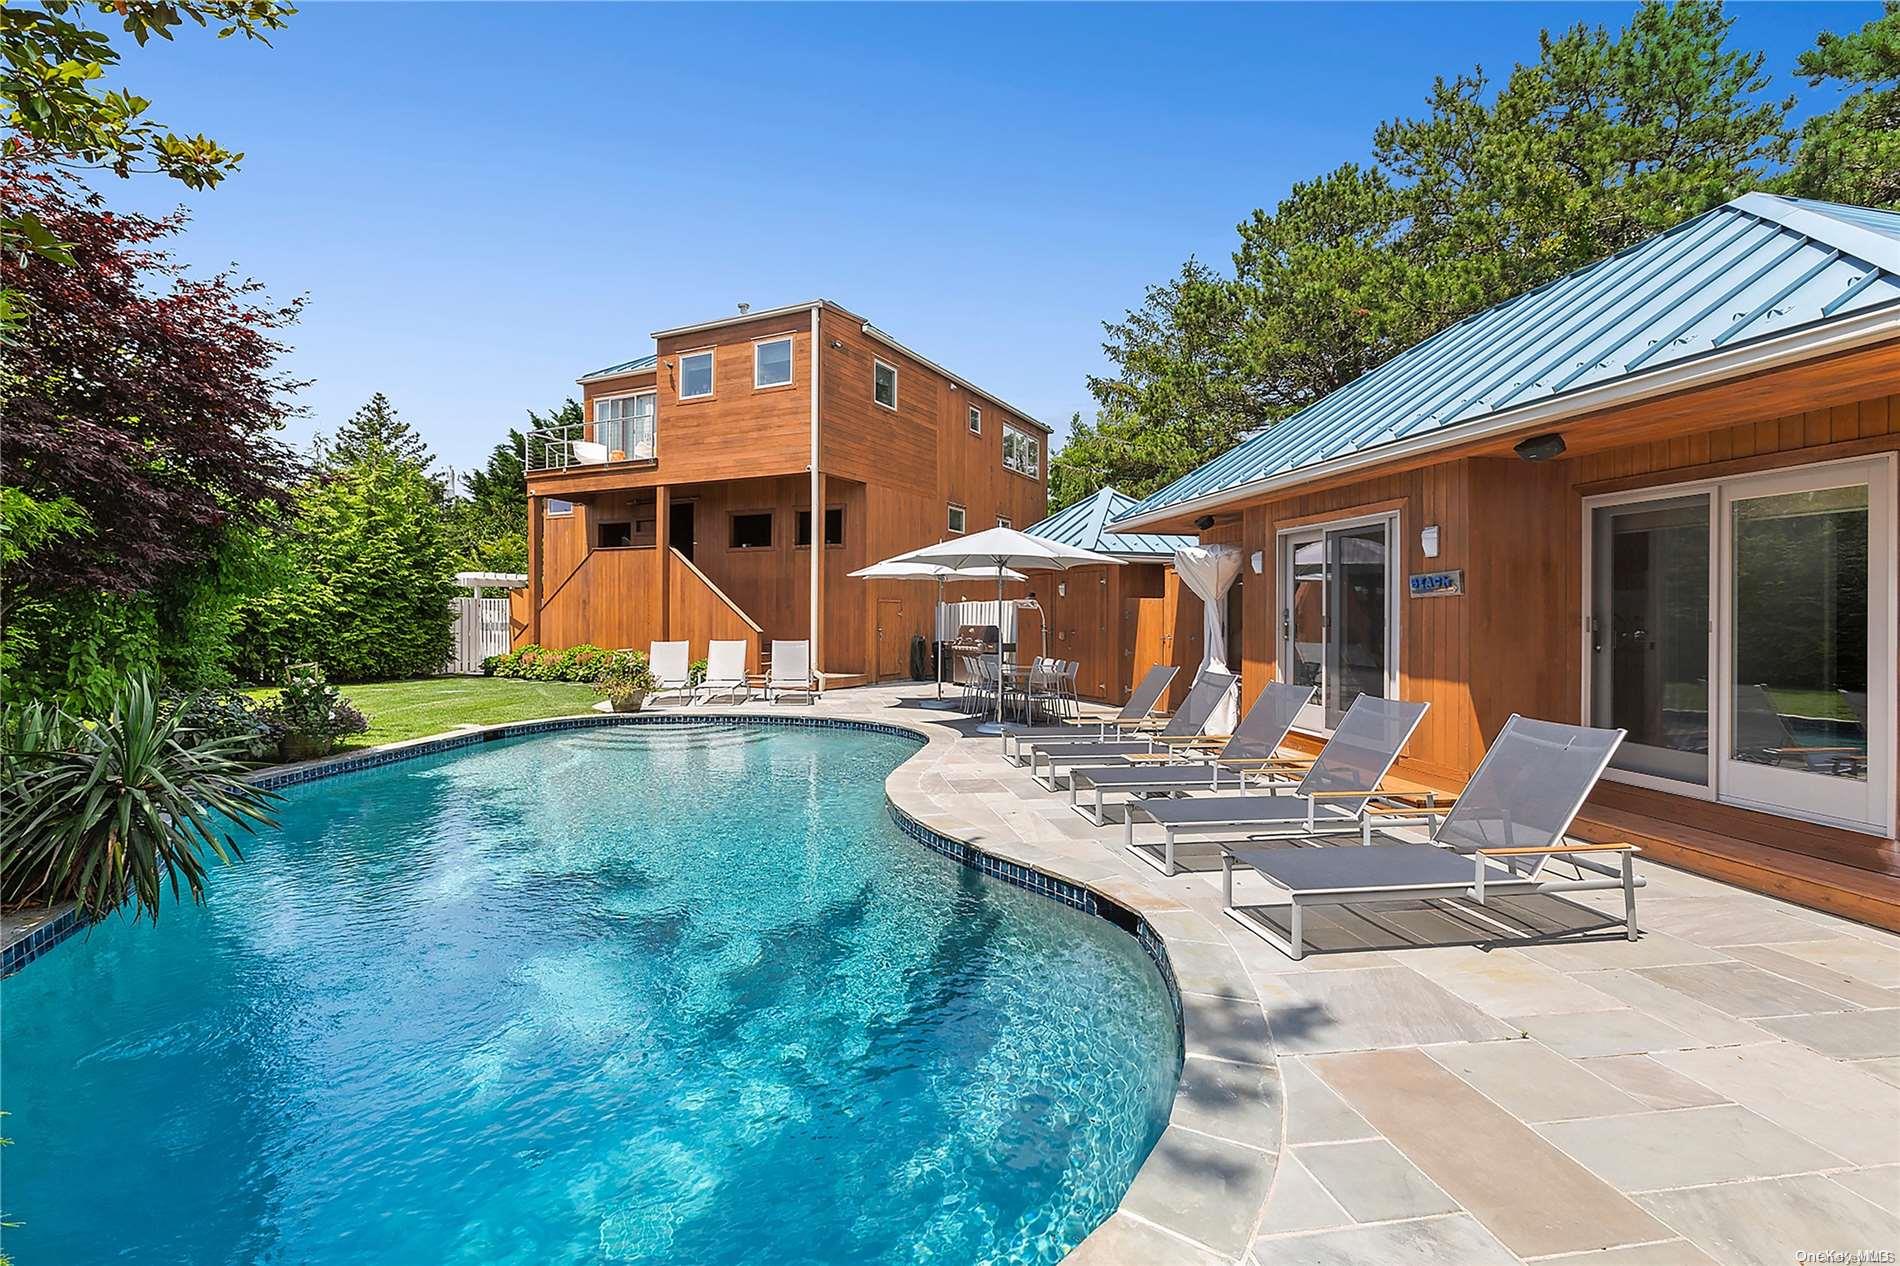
1655	494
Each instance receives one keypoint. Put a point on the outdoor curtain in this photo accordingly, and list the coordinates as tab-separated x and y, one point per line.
1210	570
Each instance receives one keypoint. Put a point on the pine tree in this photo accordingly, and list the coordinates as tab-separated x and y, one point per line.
1852	153
377	429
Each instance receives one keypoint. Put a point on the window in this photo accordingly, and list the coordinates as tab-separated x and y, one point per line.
1022	452
696	375
834	527
624	425
752	530
976	420
1002	520
956	518
884	384
556	507
615	535
772	362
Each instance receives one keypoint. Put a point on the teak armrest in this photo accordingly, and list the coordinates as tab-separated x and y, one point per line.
1148	758
1344	795
1531	850
1289	761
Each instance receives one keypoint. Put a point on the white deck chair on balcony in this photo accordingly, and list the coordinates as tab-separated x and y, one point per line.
1135	713
725	673
791	672
1215	766
672	670
1336	794
1497	839
1185	726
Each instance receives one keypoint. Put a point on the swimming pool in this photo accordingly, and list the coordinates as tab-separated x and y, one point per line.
655	993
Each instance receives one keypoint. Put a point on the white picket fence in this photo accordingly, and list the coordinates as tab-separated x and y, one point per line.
481	630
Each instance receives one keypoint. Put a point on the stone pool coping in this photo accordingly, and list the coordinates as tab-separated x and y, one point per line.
1200	1193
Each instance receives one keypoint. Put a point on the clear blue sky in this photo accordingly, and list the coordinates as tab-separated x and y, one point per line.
483	202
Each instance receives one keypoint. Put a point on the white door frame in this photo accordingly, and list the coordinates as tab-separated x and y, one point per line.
1727	783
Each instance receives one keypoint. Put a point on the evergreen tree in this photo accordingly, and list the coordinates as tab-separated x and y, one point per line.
1606	139
377	429
366	580
1852	153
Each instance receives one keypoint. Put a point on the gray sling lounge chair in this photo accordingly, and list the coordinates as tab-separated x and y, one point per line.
1136	712
1335	795
1253	746
1496	839
1184	726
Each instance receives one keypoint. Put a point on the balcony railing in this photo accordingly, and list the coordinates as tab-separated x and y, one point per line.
565	447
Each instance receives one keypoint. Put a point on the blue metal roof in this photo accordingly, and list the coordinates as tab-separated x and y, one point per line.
1757	266
1084	525
633	366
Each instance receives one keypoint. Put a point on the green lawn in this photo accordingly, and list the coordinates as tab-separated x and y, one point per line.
1693	696
400	710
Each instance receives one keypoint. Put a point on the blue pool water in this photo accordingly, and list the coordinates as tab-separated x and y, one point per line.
648	995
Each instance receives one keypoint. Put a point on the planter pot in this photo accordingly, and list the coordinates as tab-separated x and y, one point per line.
627	702
299	747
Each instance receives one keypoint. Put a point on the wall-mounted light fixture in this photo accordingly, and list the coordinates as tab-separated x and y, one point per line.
836	346
1540	448
1428	540
1062	588
1259	562
1203	523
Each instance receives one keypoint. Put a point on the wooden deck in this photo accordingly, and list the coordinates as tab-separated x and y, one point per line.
1824	868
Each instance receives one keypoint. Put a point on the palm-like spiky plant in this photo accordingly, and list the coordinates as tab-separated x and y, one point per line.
108	811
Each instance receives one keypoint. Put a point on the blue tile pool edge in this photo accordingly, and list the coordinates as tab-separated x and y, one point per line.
35	942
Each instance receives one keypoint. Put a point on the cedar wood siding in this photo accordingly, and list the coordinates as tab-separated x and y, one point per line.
911	464
743	449
1513	641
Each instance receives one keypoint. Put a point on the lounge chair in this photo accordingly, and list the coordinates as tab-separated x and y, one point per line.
1184	726
1253	746
725	672
672	670
1495	840
1136	712
791	672
1762	736
1339	793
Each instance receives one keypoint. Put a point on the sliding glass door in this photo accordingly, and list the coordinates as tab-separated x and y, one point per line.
1796	652
1337	625
1741	631
1649	634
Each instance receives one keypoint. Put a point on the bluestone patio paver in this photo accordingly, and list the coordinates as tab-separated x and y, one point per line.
1734	1006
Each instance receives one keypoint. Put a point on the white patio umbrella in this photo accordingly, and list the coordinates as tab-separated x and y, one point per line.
1004	548
892	569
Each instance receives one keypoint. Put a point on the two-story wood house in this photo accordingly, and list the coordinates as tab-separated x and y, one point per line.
682	508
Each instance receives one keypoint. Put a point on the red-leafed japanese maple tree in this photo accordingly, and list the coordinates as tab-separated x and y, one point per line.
144	401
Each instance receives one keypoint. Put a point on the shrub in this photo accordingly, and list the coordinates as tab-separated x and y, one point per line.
581	663
215	715
313	714
109	810
696	672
